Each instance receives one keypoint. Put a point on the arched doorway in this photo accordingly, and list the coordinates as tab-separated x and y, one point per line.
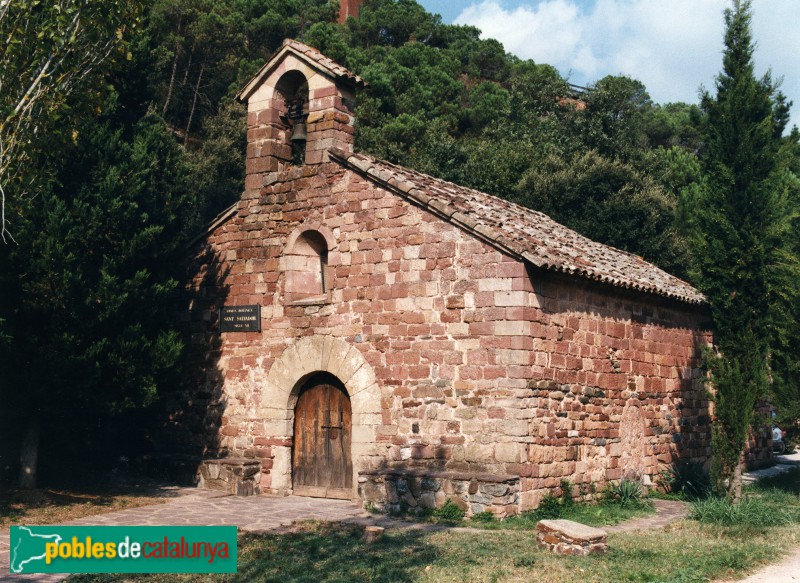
322	463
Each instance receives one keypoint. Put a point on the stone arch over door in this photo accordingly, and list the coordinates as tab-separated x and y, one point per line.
298	362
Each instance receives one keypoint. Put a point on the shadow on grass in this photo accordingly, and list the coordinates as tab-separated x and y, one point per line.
331	552
20	505
313	552
787	482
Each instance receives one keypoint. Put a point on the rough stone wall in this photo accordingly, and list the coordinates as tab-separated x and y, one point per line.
482	364
758	449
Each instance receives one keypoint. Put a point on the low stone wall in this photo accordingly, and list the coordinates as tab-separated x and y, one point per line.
239	476
397	490
565	537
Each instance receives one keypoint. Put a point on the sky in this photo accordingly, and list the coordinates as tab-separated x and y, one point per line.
672	46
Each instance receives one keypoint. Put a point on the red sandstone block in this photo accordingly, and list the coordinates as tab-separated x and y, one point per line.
324	92
236	375
270	441
419	371
269	116
477	357
261	133
494	372
470	373
229	431
316	157
481	328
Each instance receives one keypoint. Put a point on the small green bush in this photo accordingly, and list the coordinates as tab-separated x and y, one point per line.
550	507
449	511
686	478
626	493
566	494
485	516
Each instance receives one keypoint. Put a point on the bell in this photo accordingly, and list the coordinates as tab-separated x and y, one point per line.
299	132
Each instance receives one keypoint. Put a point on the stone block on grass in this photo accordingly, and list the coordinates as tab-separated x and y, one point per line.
566	537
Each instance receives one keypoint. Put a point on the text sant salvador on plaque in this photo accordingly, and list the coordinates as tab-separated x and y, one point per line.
240	318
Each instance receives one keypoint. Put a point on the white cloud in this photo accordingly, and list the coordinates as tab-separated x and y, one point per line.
673	47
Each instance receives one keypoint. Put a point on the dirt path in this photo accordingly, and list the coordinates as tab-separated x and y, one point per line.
786	571
666	511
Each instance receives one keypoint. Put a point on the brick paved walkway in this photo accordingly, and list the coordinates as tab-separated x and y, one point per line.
666	511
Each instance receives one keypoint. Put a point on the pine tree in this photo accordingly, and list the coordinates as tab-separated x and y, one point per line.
741	217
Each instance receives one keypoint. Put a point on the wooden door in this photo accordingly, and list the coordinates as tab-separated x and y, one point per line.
322	464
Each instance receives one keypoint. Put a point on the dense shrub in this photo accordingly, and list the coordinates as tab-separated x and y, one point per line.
755	512
686	478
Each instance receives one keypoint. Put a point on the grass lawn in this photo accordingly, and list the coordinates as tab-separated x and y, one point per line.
56	505
688	551
721	544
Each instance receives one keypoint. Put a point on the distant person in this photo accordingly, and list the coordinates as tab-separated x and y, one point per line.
777	440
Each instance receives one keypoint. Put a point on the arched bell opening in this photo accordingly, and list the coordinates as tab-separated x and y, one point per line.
292	89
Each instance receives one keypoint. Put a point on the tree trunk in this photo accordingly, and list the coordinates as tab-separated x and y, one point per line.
735	485
172	75
194	102
188	68
29	456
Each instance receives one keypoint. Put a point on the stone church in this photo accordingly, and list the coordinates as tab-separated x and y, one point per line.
374	333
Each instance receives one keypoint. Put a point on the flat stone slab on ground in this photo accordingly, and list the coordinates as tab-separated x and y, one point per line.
566	537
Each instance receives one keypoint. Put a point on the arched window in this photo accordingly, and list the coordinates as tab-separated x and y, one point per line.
306	269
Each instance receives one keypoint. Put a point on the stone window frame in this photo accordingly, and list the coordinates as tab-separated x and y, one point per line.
327	236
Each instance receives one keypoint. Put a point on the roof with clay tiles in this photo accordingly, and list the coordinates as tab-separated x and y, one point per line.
308	54
523	233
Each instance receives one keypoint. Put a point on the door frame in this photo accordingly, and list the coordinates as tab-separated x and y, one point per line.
280	386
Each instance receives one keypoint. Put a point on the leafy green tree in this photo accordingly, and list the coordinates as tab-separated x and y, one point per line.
613	121
51	51
216	167
673	125
610	201
743	224
89	304
392	22
197	53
